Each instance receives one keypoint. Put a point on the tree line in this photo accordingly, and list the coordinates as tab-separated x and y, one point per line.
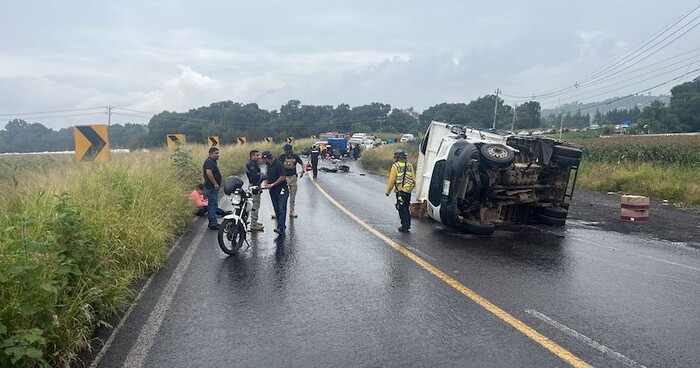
230	120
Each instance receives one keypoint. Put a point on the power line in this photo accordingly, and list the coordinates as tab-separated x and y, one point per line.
592	77
50	112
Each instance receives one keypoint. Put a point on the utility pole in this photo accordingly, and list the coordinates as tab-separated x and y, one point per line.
515	112
109	116
561	124
495	108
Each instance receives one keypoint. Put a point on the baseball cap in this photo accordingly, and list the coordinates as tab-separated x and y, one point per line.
287	147
266	154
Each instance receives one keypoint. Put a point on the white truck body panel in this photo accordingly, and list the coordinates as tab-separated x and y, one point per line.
435	150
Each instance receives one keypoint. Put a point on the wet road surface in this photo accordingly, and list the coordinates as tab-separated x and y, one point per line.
332	293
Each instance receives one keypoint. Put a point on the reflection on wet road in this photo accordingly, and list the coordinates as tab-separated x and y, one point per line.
334	293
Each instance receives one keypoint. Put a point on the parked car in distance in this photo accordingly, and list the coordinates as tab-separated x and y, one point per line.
357	138
407	138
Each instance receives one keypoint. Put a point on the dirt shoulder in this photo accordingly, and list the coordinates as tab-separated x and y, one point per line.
666	221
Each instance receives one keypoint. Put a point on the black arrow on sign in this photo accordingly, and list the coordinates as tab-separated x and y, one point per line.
173	138
96	143
213	141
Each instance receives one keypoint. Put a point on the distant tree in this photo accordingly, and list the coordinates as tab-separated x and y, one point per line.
656	118
528	115
685	104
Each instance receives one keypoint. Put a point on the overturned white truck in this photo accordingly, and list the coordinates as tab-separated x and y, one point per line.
473	180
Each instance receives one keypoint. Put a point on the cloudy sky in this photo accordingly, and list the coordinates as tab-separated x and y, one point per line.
61	62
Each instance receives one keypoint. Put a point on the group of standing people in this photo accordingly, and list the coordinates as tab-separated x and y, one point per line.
281	181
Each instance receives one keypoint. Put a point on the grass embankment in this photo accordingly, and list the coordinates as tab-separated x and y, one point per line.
378	160
658	167
75	236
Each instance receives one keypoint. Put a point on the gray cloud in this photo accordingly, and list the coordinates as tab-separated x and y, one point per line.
155	56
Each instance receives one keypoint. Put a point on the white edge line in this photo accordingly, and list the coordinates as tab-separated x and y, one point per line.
114	333
587	340
139	351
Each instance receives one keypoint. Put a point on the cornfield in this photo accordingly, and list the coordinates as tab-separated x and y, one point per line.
665	150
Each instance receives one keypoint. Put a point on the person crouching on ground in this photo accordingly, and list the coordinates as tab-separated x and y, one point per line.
279	192
252	170
401	178
198	199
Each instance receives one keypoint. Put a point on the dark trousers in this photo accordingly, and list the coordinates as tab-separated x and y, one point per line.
314	165
279	203
403	200
212	205
202	210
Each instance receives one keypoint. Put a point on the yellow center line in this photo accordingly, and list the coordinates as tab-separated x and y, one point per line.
528	331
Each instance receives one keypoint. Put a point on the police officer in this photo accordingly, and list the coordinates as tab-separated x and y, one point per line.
290	161
252	170
314	154
401	179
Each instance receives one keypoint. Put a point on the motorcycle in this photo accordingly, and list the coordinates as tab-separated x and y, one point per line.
234	227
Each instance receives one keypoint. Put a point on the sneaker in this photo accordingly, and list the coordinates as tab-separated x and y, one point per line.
403	229
257	227
278	231
214	227
293	214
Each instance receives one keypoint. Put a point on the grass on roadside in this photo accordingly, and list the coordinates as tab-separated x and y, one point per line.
75	236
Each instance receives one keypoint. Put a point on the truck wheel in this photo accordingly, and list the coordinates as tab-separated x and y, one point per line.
477	228
547	220
554	212
567	161
497	155
567	151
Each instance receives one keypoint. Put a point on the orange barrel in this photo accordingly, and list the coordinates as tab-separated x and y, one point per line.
634	208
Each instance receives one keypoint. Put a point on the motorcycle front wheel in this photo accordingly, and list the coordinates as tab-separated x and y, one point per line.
231	236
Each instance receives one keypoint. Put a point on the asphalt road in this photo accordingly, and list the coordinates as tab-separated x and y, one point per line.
345	288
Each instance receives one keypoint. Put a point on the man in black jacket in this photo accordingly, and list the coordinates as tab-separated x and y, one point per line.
314	154
252	170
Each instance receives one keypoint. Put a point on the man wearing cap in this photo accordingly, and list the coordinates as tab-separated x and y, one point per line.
313	155
279	192
252	170
401	179
290	160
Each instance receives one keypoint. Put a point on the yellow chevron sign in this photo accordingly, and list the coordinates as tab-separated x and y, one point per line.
241	140
313	137
267	139
290	140
175	140
91	142
213	140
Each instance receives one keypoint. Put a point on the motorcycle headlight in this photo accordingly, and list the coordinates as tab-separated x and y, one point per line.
236	199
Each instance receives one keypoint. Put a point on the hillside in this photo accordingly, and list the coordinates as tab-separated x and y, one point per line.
608	105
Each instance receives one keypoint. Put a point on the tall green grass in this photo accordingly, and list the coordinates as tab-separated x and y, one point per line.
75	236
378	160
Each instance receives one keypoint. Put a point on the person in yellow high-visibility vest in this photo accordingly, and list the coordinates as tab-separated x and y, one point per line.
401	179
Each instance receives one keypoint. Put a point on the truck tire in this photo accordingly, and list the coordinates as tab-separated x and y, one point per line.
547	220
497	155
567	151
476	227
567	161
553	212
